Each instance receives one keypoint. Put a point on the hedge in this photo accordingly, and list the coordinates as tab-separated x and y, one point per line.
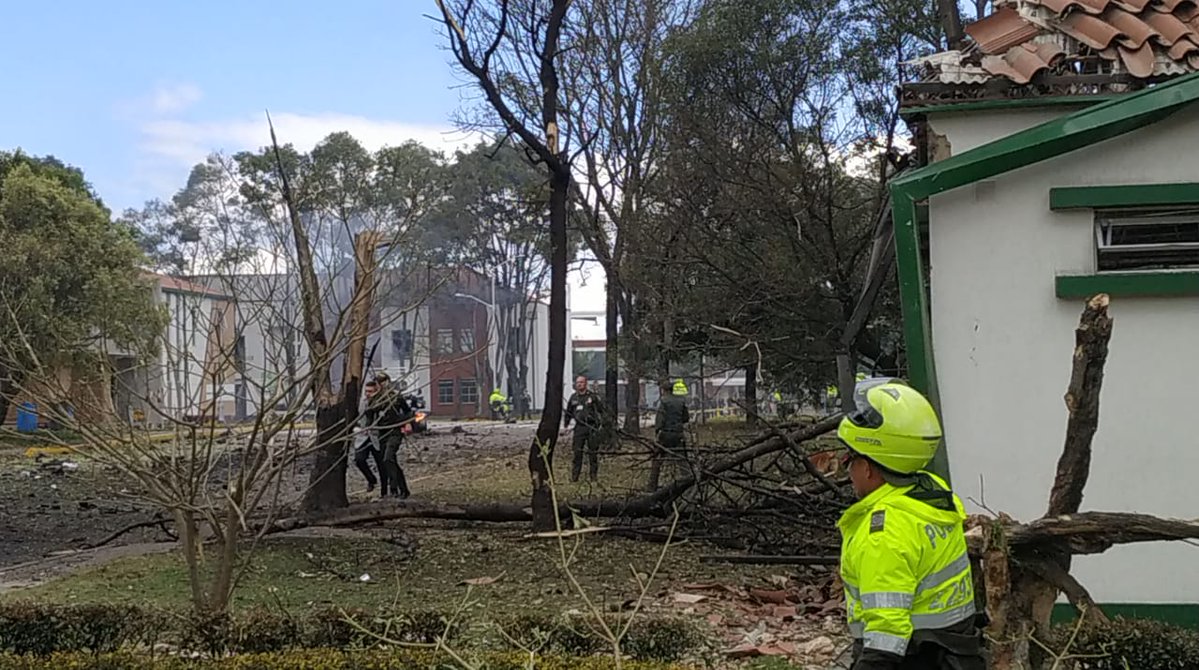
31	628
1139	644
315	659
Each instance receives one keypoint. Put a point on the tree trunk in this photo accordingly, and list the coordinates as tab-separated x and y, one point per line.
634	369
8	390
327	481
612	345
632	403
541	452
1037	570
751	394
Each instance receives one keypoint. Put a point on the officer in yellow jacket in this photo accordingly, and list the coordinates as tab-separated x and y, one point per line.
909	591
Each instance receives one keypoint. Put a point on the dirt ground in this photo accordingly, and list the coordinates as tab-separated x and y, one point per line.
53	507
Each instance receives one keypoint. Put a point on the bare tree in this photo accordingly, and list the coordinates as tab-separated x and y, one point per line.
614	72
511	50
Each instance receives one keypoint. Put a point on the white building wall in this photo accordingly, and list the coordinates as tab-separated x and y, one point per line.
413	373
1004	342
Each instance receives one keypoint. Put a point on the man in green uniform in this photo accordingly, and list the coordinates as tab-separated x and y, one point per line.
587	411
909	591
669	423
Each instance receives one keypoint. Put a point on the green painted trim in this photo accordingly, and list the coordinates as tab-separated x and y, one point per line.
913	297
1179	614
1062	135
1128	285
1128	195
1006	103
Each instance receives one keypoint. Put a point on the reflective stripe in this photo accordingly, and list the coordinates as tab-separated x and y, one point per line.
857	629
886	642
943	619
945	574
853	591
886	600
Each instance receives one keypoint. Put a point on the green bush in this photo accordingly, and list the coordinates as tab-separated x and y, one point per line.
1137	644
650	638
32	628
320	659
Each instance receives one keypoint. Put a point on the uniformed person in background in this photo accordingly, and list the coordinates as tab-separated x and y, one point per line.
587	411
669	424
909	592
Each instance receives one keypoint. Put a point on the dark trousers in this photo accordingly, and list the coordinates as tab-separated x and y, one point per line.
363	454
393	473
585	439
670	446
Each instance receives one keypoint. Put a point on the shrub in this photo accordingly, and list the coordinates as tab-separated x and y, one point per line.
1130	643
321	659
32	628
259	630
649	638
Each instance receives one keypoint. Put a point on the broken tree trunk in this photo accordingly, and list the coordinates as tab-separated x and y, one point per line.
1034	573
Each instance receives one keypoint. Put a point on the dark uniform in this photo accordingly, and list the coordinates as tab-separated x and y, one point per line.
669	423
387	413
587	411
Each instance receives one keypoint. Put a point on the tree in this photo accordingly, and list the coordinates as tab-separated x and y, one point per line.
511	49
71	284
614	71
766	172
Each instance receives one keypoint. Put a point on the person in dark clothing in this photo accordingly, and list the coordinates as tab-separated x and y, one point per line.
368	446
389	412
669	424
587	411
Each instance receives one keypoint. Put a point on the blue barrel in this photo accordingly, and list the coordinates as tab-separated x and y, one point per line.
27	418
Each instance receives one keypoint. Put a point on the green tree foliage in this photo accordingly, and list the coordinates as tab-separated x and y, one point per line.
774	182
71	280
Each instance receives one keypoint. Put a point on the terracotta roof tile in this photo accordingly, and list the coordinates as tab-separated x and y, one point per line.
1021	63
1023	38
1135	31
1001	31
1169	28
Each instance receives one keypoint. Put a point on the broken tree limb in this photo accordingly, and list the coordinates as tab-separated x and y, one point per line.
753	559
657	503
158	521
1082	402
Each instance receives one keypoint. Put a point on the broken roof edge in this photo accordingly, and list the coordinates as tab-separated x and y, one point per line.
1053	138
915	112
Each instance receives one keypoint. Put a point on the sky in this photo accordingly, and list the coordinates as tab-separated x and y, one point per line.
135	93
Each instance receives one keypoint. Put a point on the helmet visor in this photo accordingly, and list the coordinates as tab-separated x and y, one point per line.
864	415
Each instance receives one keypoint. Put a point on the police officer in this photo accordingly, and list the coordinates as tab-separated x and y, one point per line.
669	423
587	411
909	592
389	412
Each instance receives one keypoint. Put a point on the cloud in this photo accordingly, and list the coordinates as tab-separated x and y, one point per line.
174	98
185	143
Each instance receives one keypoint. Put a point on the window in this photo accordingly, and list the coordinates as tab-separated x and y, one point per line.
445	340
401	345
1153	239
466	341
445	392
468	391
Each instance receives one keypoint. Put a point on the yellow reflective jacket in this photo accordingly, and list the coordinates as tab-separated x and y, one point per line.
904	565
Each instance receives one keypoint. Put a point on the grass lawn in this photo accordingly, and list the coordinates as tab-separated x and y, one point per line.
531	580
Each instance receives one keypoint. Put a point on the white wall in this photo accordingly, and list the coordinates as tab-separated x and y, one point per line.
1004	341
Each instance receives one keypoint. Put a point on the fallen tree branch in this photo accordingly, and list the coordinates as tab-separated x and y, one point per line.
758	559
156	521
1096	532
